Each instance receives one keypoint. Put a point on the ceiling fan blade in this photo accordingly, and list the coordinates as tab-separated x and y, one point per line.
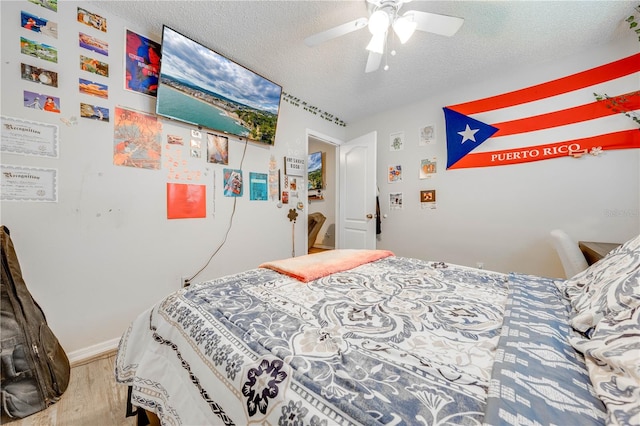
373	62
435	23
334	32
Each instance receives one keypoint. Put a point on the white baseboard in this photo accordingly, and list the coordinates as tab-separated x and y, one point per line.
82	356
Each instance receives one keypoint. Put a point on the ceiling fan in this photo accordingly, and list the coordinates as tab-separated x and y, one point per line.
385	14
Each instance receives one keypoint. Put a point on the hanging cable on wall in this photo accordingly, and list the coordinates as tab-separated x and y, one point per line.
187	281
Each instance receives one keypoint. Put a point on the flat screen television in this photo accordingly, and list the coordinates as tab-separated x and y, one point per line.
203	88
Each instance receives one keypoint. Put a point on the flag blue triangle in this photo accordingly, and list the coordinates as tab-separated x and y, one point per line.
464	134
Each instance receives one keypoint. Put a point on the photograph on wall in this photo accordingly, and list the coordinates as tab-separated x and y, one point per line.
428	168
428	199
47	4
186	201
136	139
39	75
36	24
94	112
142	64
395	201
196	148
217	149
427	135
285	197
258	186
38	50
232	183
28	184
92	88
92	20
42	102
27	137
94	66
94	44
395	173
396	141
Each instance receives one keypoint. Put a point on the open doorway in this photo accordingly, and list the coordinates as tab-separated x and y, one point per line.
322	192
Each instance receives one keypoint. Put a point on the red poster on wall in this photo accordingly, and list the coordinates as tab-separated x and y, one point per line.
186	201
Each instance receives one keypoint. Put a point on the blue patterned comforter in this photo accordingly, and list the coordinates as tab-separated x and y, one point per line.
395	341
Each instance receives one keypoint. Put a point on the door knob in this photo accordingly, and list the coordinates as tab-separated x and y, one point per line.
369	216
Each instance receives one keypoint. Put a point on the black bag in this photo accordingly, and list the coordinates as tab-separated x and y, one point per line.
35	368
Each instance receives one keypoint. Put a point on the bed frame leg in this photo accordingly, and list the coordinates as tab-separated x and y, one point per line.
143	417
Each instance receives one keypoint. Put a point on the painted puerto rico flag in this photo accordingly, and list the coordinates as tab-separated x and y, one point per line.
553	119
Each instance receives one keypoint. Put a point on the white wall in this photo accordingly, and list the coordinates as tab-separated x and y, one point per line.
502	216
106	251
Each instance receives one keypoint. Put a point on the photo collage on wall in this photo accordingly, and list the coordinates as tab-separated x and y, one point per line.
427	168
137	135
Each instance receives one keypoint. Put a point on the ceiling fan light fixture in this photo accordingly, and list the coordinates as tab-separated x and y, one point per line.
404	27
376	44
379	22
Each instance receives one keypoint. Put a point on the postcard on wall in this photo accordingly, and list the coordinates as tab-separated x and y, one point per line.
396	141
94	66
428	168
232	183
196	148
47	4
136	139
428	199
91	43
217	149
39	75
258	186
93	89
38	50
186	201
142	64
36	24
395	173
29	137
427	135
29	184
41	101
94	112
92	20
395	201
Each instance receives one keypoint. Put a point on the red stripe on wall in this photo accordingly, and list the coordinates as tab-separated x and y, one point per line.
590	111
618	140
566	84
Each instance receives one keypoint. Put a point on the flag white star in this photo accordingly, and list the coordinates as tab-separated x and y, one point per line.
468	134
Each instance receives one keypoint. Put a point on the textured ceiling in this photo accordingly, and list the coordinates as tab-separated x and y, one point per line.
267	37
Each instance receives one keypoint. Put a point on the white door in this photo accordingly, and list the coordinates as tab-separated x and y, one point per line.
357	182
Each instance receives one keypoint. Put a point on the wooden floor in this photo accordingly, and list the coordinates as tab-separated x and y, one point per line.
317	250
92	398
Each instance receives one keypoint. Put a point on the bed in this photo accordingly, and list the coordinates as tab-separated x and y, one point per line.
367	337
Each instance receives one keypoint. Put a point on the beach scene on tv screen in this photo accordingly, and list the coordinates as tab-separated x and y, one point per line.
202	87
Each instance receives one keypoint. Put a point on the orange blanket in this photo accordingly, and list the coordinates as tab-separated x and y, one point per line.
313	266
